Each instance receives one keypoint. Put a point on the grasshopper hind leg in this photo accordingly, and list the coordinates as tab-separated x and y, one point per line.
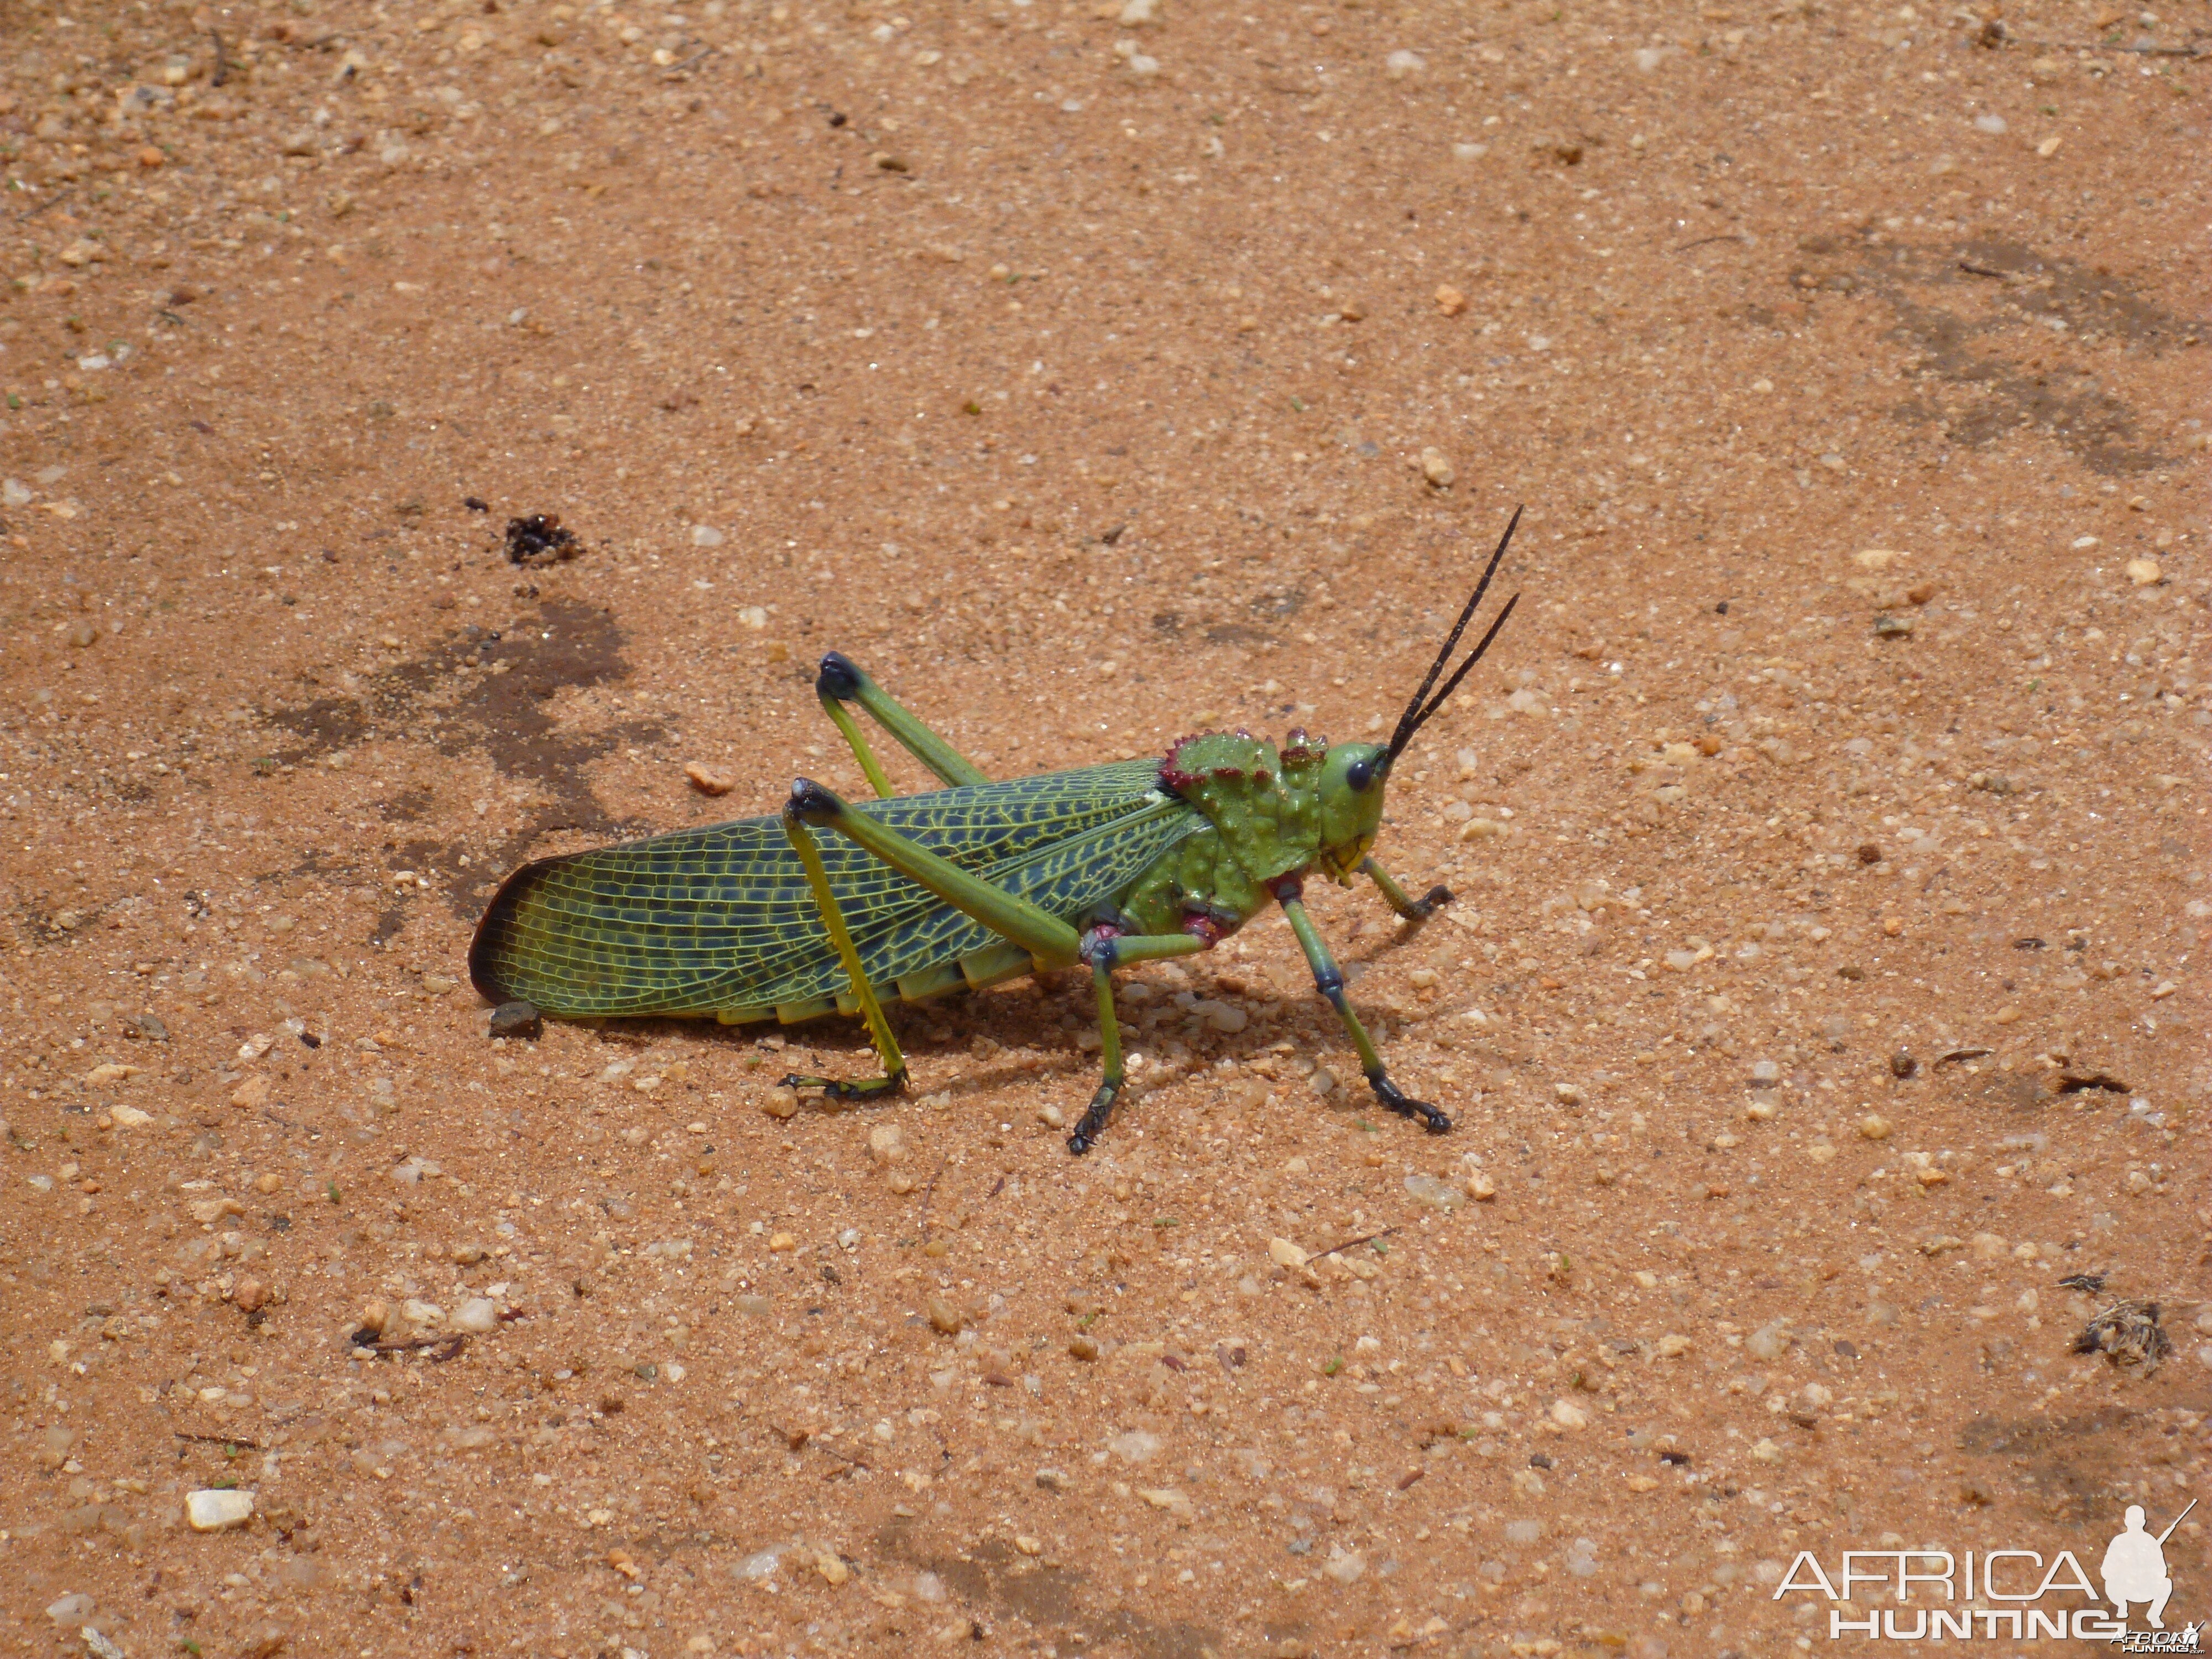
893	1081
866	1088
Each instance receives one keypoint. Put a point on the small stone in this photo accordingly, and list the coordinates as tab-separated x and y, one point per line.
1403	63
68	1612
1225	1017
1424	1188
1891	628
1569	1415
1481	1187
1450	301
253	1092
944	1317
2008	1015
375	1319
1875	1127
1052	1479
249	1296
1769	1342
1345	1569
1284	1254
2143	572
517	1019
705	535
1765	1071
1671	1347
832	1567
217	1511
123	1117
1902	1064
886	1143
1137	12
1436	469
1028	1545
1084	1348
1323	1082
781	1243
427	1315
780	1102
1051	1117
2049	146
1164	1497
478	1317
707	783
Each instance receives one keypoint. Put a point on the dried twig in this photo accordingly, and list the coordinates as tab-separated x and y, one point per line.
1724	236
219	1440
928	1194
221	67
1365	1238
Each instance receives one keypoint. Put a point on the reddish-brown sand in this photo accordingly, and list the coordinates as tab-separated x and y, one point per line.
1822	993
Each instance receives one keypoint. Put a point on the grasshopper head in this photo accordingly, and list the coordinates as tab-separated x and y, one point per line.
1351	779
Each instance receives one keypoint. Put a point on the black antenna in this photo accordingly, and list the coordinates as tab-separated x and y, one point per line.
1422	707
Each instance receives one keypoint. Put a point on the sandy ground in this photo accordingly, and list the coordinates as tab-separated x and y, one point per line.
1823	991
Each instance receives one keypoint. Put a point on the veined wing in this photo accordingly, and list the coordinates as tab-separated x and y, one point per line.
722	916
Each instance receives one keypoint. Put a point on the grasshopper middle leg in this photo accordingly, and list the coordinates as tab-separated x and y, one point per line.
1104	948
1049	941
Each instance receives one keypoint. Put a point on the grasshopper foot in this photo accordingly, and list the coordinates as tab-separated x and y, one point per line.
1093	1124
1427	905
867	1088
1406	1106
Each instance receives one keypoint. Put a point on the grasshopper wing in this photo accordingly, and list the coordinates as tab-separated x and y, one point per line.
720	918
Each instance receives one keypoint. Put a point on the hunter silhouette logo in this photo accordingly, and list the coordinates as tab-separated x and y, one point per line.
2003	1595
2135	1568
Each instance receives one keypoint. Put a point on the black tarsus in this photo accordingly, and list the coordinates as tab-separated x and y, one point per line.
1423	706
840	678
1430	902
892	1083
1093	1123
1406	1106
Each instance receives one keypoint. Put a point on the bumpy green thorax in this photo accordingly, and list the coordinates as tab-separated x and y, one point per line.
1264	801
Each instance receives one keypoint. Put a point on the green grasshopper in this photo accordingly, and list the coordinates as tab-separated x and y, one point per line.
911	897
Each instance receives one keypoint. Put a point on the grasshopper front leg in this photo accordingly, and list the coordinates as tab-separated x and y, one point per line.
1329	981
1415	910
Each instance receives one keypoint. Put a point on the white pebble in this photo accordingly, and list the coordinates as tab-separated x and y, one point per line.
479	1316
1400	64
1990	124
705	535
1345	1569
214	1510
1424	1188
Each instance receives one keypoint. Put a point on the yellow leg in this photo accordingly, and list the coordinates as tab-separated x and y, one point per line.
871	1010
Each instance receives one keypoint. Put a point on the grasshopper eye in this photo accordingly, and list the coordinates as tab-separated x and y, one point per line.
1360	775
